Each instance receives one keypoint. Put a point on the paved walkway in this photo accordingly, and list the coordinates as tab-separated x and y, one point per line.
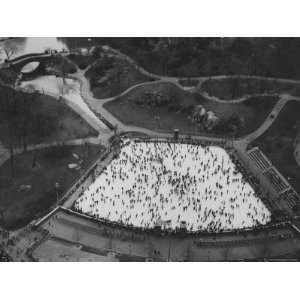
243	142
172	79
283	100
98	106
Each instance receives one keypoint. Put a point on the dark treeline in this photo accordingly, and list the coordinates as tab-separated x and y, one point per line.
21	118
186	57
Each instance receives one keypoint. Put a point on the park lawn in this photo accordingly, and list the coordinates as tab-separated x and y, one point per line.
111	76
277	143
69	124
46	120
21	207
131	113
252	112
233	88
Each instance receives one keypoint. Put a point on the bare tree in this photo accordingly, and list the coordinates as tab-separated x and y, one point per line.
2	217
63	69
162	50
34	159
235	87
172	42
116	76
9	49
189	71
11	149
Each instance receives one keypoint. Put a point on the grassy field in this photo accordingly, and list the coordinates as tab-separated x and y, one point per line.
21	207
233	88
168	117
38	119
251	112
277	142
111	76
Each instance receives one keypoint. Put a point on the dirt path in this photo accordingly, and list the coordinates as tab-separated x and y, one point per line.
98	106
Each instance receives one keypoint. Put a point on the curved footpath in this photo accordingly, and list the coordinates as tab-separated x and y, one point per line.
96	105
283	100
202	79
171	79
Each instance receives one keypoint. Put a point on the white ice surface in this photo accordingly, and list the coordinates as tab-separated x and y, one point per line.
161	183
30	67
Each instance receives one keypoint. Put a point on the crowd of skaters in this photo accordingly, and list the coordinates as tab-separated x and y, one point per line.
171	185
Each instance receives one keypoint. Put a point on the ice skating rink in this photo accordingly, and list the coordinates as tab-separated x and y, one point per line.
174	185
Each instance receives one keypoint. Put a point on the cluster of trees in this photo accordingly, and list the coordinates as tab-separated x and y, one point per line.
82	61
203	118
8	76
18	113
21	120
100	69
113	73
232	88
208	121
60	65
187	57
